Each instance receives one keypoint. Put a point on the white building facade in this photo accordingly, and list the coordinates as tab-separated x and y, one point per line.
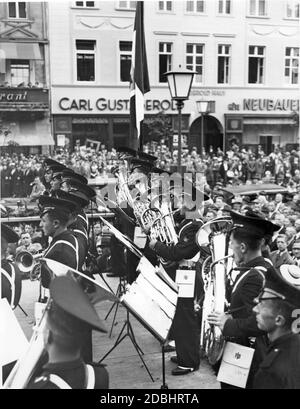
245	52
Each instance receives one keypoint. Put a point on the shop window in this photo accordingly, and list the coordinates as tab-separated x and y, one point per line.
85	60
126	5
195	6
165	60
256	64
17	9
125	60
291	65
19	72
165	5
292	9
224	7
223	63
258	8
194	60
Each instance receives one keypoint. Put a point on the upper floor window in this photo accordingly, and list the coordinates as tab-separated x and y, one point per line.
127	5
165	60
256	64
125	60
84	3
258	8
19	72
195	6
165	6
85	60
17	9
194	60
223	63
224	7
291	65
292	9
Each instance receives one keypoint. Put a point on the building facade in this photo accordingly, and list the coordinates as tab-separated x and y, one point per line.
245	52
24	77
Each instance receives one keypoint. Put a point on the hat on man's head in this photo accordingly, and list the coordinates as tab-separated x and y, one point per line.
8	234
146	156
238	200
71	302
55	168
253	224
160	171
68	175
50	203
81	189
80	202
282	285
291	273
50	162
141	165
126	153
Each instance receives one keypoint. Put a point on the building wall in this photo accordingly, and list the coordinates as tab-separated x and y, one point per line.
108	25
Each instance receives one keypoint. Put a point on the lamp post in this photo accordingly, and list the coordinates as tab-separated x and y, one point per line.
180	83
203	107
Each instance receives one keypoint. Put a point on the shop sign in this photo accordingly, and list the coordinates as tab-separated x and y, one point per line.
19	95
119	105
250	104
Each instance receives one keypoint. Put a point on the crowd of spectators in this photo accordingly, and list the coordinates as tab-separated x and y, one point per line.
22	176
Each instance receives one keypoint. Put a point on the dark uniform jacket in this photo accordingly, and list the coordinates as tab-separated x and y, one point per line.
80	230
248	284
280	369
73	372
11	282
64	249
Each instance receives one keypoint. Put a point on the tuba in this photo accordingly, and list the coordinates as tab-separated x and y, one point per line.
214	234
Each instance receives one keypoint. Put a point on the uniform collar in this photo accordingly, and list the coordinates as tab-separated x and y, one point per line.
281	340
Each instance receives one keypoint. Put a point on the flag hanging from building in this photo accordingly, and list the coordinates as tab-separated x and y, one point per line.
139	80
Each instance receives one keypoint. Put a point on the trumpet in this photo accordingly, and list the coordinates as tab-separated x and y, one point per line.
28	263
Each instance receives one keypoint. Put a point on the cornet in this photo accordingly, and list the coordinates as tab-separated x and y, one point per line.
27	263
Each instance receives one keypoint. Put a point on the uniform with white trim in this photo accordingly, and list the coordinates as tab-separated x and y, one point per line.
70	315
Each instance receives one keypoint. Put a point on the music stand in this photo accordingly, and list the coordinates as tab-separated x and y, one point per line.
120	291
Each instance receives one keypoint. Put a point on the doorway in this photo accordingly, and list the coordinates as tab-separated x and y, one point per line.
213	134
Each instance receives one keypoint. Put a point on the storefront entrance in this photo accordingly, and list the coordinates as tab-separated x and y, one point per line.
212	135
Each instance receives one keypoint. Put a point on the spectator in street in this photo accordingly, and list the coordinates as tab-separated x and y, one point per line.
37	189
281	256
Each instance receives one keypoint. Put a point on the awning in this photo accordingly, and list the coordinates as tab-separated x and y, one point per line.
269	121
28	133
20	51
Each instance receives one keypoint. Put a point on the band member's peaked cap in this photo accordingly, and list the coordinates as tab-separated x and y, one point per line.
80	202
69	297
140	164
8	234
49	203
81	189
146	156
253	224
69	175
282	288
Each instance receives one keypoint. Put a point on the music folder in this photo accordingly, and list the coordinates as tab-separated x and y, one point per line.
152	300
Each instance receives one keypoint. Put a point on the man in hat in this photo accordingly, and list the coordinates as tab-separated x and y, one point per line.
238	324
237	204
55	215
277	312
70	315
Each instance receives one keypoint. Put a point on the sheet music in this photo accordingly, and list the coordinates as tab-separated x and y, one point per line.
122	238
151	300
161	272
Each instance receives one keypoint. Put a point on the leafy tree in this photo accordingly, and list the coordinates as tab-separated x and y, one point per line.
158	127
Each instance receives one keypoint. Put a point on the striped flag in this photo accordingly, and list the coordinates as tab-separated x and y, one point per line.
139	80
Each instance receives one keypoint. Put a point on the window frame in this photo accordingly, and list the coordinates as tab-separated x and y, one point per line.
18	10
257	15
293	3
165	53
229	55
10	71
119	58
194	56
256	55
118	7
93	52
223	13
165	10
84	6
290	67
195	8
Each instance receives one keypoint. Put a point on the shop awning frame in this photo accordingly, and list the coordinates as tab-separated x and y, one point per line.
20	51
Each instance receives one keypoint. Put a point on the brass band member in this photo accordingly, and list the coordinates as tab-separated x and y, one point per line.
70	315
246	240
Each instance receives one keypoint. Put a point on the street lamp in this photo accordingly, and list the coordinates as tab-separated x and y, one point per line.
180	83
203	107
